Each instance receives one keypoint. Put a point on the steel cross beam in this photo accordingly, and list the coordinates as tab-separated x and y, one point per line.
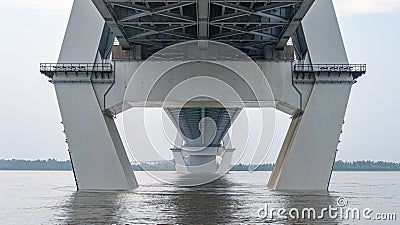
254	30
247	24
149	30
244	11
203	18
145	11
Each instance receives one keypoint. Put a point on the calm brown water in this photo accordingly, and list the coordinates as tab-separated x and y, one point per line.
32	197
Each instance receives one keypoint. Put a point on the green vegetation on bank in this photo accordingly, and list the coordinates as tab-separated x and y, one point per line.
366	166
52	164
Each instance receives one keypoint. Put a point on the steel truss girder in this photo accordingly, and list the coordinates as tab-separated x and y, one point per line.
246	24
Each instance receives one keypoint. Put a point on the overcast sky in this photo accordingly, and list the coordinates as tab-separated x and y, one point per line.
32	32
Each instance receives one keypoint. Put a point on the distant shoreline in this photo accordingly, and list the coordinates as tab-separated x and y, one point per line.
55	165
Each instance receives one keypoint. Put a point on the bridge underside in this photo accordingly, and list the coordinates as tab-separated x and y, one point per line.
248	25
316	96
196	130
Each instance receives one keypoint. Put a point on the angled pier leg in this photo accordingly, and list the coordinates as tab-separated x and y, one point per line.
308	153
96	150
287	144
309	150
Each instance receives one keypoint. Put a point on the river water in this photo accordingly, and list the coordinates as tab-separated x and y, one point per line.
50	197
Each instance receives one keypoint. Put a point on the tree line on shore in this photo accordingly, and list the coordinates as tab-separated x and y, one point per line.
53	164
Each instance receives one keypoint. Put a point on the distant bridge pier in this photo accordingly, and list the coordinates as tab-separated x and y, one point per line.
204	160
202	136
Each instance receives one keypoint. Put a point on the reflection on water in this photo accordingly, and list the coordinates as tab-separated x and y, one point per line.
223	201
86	207
210	203
50	198
316	201
192	179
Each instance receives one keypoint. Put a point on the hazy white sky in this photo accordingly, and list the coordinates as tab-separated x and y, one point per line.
32	32
357	7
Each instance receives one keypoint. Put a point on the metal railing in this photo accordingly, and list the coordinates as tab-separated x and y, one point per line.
352	68
49	69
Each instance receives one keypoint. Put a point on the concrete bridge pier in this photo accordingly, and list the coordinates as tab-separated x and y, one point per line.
310	80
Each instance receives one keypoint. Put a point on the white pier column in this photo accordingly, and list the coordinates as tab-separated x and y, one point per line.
96	150
308	153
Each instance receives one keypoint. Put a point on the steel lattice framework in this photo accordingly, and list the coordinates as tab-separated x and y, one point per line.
248	25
